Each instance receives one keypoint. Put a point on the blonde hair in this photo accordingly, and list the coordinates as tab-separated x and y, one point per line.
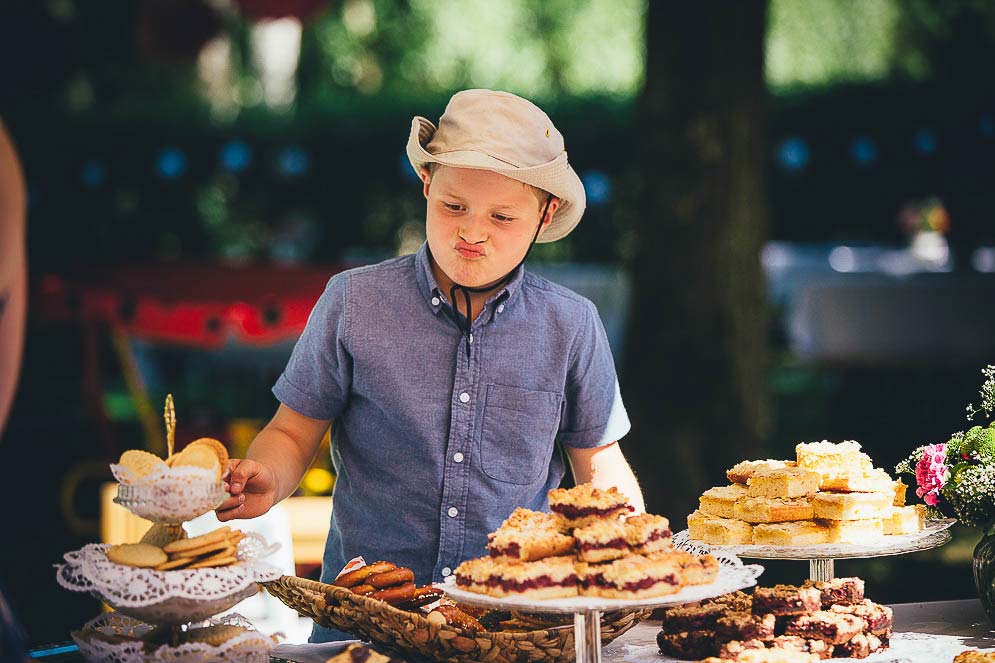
540	195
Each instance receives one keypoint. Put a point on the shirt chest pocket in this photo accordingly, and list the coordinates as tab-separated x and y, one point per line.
517	433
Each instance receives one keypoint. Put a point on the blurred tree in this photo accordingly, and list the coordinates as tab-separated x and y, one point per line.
696	360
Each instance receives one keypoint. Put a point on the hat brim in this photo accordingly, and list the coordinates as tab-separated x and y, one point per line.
556	176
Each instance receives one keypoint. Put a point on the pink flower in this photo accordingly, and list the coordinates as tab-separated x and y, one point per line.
932	473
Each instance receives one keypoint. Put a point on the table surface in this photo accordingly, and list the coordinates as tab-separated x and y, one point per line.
924	633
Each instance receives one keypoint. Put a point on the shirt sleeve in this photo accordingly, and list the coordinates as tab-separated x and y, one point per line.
318	377
593	412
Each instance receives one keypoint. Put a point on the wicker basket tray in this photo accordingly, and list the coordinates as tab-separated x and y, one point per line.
415	638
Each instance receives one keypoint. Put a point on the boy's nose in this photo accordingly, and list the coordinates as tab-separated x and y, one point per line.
472	230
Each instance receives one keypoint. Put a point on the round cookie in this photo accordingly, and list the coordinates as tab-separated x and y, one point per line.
219	449
198	456
139	555
140	463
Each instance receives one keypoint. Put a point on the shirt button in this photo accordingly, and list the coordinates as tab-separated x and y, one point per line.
453	512
464	397
458	457
500	308
446	571
471	338
436	301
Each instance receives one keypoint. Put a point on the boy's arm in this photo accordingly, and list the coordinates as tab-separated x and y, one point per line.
605	467
274	464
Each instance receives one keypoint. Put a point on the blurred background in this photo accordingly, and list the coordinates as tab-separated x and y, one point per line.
790	232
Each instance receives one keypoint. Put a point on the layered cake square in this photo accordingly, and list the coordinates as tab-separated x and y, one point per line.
784	600
693	617
831	458
772	509
832	627
694	569
549	578
585	504
880	619
796	533
905	519
514	544
859	481
745	626
851	506
648	533
719	501
718	531
783	482
632	577
838	591
860	532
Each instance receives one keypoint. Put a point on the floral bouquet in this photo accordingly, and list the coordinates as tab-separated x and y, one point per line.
957	478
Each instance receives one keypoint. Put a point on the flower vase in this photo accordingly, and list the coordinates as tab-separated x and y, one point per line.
984	573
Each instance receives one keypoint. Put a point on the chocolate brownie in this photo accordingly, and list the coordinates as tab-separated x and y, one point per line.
832	627
839	591
786	600
688	644
745	626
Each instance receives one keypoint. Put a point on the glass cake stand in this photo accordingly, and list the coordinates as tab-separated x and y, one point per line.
587	611
821	557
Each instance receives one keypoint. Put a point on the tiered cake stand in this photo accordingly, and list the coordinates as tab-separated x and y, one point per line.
733	575
178	601
821	558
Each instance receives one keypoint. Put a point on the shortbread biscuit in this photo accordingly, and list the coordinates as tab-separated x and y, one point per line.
219	449
797	533
785	482
772	509
139	555
741	472
140	463
851	506
220	534
719	501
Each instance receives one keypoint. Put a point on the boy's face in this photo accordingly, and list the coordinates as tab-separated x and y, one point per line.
479	224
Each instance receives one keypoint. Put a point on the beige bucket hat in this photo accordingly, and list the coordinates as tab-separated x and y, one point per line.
511	136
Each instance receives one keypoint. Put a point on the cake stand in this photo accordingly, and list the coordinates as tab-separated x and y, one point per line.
733	575
821	557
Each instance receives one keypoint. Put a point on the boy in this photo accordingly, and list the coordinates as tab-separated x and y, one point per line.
449	374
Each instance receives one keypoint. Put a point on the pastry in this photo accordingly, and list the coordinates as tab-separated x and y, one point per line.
718	531
851	506
784	600
601	541
859	481
719	501
783	482
741	472
632	577
796	533
905	519
648	533
860	532
552	577
772	509
584	504
831	458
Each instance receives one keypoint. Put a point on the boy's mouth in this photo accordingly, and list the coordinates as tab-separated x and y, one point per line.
468	250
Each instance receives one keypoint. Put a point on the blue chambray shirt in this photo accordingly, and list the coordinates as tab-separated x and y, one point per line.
432	449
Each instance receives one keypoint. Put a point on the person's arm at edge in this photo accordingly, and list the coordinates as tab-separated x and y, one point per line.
13	271
281	453
605	467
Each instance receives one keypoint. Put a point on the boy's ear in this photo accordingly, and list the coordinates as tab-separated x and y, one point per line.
426	179
554	204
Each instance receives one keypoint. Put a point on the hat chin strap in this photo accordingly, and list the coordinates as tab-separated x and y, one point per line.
464	324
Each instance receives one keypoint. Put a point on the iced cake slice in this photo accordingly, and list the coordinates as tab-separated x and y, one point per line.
601	541
838	591
584	504
830	458
552	577
720	500
648	533
795	533
859	481
784	482
772	509
717	531
741	472
784	600
632	577
851	506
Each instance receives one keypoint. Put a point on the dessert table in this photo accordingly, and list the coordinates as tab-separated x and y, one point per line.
924	633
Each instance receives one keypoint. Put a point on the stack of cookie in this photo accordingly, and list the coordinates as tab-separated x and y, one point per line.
584	548
832	493
214	549
818	620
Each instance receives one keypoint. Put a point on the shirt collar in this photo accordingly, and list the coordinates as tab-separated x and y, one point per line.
434	296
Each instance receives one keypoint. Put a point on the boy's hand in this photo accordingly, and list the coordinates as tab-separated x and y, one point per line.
252	486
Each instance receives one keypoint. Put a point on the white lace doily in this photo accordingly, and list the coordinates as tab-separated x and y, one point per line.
733	575
168	597
169	494
934	535
124	646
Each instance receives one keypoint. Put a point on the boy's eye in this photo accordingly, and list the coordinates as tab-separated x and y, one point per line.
503	219
453	207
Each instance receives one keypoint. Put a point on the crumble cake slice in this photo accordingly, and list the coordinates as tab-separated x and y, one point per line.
601	541
783	600
632	577
648	533
551	577
585	504
838	591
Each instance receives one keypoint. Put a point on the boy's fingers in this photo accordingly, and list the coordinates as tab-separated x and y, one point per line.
240	474
229	514
232	502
